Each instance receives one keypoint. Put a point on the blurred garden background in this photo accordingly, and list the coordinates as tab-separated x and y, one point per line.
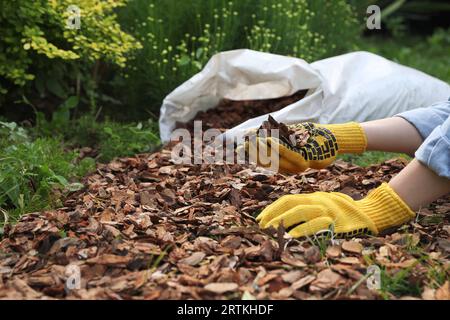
70	98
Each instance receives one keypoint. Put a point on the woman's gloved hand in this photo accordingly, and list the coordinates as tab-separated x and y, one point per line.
324	143
308	214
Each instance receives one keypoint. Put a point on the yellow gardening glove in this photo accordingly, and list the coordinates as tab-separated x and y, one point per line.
308	214
321	149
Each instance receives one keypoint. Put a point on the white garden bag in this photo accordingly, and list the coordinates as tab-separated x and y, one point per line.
357	86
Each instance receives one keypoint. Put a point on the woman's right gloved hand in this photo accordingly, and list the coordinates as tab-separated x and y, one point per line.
323	144
308	214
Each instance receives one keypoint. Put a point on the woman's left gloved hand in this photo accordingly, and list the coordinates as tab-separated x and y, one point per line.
307	214
323	144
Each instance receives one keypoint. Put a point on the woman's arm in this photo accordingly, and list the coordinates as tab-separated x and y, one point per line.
418	185
392	135
406	131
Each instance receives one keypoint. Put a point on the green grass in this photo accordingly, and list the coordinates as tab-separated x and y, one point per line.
34	174
39	166
109	138
398	284
323	240
429	55
437	276
407	282
371	157
404	283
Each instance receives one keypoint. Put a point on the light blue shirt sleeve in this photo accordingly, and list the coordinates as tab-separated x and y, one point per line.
435	150
433	124
427	119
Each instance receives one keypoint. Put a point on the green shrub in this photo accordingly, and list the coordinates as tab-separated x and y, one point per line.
109	139
11	134
118	139
34	173
307	29
112	139
37	169
429	55
179	37
400	17
36	44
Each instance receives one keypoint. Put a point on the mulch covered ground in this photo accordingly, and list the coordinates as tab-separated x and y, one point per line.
144	228
229	113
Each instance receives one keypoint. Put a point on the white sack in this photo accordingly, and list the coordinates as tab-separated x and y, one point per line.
357	86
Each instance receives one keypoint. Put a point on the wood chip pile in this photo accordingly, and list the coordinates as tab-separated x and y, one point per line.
144	228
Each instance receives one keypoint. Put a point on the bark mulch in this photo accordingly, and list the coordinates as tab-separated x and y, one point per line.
229	113
145	228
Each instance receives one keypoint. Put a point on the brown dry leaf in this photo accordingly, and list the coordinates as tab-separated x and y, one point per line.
61	244
326	279
383	254
267	250
266	278
221	287
235	198
444	244
443	293
333	251
328	186
114	232
194	259
110	260
285	292
41	281
428	294
190	281
303	282
106	215
288	258
403	264
312	255
352	247
232	242
291	276
349	260
22	287
166	170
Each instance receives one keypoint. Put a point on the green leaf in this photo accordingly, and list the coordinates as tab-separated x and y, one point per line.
71	102
55	87
61	116
63	181
199	53
39	83
21	202
75	186
198	65
184	60
108	130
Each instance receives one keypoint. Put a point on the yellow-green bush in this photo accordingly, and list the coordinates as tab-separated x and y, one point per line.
35	34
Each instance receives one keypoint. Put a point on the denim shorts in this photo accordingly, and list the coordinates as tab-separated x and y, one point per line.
433	124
